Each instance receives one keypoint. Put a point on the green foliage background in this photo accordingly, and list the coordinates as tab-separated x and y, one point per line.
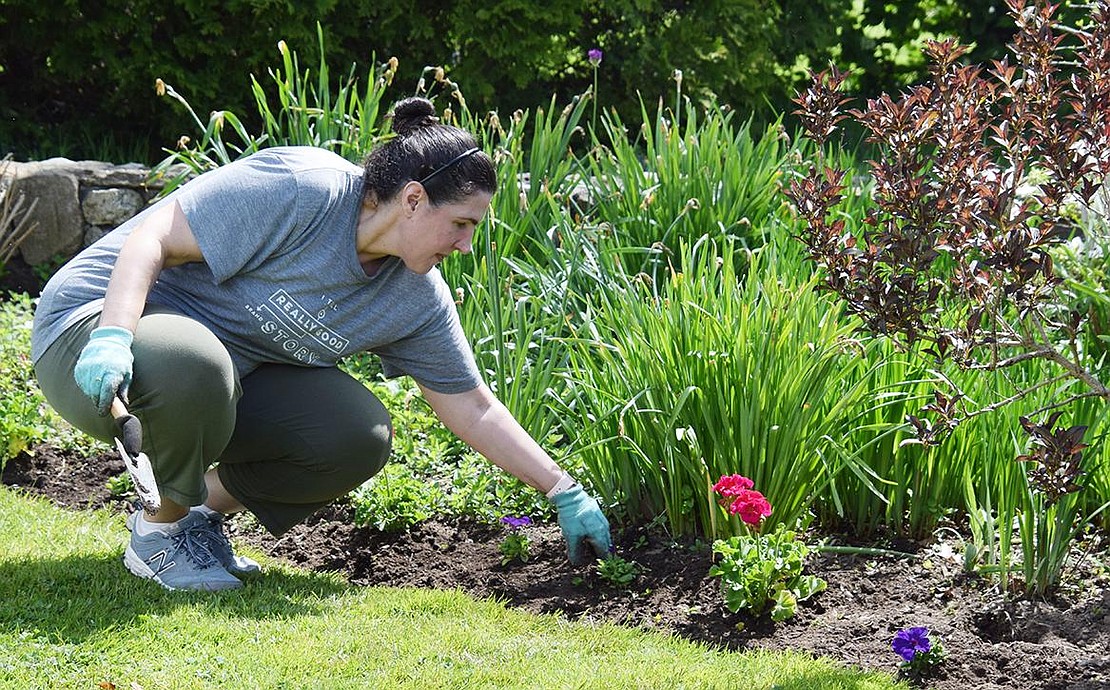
77	77
667	332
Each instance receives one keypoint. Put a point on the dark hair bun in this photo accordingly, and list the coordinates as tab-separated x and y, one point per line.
411	114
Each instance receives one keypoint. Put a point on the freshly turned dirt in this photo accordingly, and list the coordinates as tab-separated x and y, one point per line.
993	644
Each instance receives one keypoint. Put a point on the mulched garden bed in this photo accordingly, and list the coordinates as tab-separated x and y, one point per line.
993	644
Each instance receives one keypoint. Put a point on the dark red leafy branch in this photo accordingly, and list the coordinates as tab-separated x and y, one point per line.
978	173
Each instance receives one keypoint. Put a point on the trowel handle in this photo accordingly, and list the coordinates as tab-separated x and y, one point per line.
118	408
130	431
129	442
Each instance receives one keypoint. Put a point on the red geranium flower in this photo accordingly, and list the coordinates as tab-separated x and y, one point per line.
751	506
739	498
731	485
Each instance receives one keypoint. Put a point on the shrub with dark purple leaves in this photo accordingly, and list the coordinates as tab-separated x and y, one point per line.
978	174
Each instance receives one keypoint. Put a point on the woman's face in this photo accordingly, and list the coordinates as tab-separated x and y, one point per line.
438	231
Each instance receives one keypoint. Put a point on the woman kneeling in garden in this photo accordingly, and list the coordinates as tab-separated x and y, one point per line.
219	315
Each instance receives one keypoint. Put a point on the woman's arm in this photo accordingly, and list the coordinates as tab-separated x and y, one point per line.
479	419
482	422
164	239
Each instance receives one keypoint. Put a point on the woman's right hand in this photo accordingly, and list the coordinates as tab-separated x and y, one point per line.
103	369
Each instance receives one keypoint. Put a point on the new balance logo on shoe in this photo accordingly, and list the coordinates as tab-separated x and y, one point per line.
162	559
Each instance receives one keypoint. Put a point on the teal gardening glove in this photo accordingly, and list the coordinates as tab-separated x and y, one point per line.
582	522
104	368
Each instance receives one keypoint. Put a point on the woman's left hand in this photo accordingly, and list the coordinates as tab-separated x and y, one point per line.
582	523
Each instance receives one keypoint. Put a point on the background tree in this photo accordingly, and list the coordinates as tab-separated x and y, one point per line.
77	77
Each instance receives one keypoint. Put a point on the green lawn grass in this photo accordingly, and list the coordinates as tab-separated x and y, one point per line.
71	617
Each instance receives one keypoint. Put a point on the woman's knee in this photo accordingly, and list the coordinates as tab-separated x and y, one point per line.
360	455
183	363
356	427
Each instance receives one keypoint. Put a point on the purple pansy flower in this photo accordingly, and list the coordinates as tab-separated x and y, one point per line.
514	522
911	641
594	56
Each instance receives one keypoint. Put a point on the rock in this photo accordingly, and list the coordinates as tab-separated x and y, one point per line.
94	233
72	204
59	226
110	206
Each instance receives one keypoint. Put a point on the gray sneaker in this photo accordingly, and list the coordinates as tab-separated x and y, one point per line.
179	560
217	543
220	546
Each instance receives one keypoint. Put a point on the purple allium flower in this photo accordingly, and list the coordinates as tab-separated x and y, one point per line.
514	522
594	55
911	641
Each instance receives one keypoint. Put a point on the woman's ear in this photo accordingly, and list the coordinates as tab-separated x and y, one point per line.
412	196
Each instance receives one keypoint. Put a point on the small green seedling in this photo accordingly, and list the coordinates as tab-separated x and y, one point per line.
120	485
617	571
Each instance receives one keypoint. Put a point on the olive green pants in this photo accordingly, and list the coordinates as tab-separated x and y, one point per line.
286	440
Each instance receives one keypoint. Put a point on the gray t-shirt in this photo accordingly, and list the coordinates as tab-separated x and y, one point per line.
281	281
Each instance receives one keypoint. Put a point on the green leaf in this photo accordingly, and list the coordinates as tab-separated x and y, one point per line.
786	605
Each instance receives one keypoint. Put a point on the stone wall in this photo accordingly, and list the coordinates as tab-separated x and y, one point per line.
75	203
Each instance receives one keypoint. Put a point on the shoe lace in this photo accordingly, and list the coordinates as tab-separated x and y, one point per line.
214	538
194	542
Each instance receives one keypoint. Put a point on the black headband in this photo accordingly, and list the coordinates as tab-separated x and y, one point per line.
448	164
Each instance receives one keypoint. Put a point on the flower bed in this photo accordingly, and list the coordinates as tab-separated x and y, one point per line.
990	644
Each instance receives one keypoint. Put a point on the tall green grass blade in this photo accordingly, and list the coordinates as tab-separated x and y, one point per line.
711	374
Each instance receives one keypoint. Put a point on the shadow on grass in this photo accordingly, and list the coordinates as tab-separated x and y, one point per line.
74	597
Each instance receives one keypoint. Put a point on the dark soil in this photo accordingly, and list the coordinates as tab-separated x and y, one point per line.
993	643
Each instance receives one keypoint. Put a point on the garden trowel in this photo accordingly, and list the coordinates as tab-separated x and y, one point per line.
129	442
